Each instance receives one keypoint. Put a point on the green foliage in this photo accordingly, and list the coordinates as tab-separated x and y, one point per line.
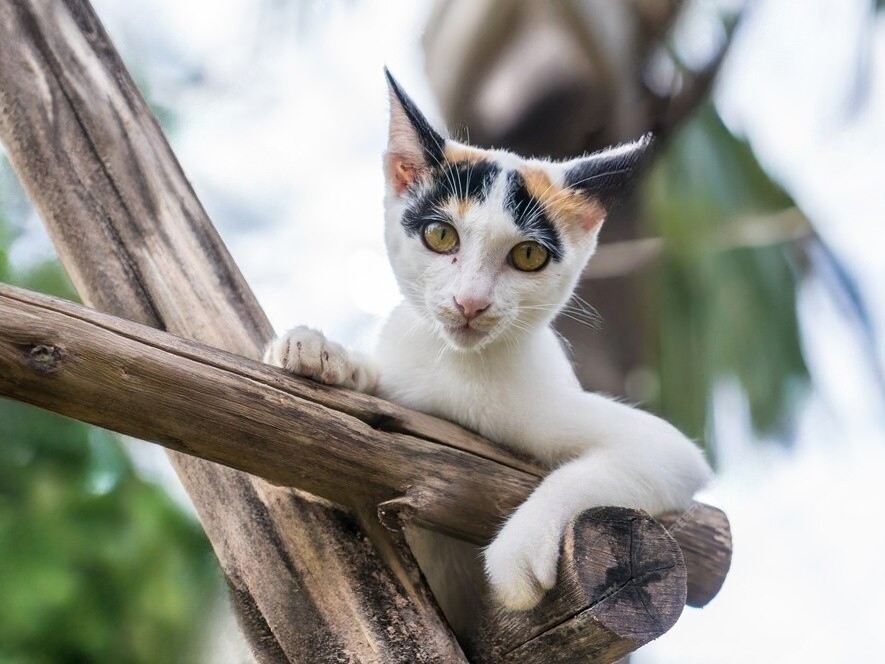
720	310
96	564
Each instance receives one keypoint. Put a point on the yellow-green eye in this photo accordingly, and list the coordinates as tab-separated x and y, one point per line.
441	237
529	256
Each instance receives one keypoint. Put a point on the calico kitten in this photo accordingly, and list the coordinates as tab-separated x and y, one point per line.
487	248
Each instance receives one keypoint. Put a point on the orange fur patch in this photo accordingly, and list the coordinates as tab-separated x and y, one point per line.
566	207
463	204
455	153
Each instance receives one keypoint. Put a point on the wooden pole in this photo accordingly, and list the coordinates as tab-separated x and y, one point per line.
308	584
621	584
622	577
291	431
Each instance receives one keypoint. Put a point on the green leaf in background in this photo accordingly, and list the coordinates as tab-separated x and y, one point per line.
723	305
96	563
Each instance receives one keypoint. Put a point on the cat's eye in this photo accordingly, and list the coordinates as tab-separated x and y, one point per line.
441	237
529	256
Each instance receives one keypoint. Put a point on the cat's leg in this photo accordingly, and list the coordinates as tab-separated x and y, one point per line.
633	460
307	352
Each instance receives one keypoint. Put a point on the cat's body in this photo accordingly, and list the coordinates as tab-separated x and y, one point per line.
487	248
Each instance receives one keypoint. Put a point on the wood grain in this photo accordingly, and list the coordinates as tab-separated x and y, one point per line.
704	535
622	577
621	584
137	243
312	582
241	413
152	385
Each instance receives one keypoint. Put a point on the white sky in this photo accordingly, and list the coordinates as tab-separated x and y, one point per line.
283	145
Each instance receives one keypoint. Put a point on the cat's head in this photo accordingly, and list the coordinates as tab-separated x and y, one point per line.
484	243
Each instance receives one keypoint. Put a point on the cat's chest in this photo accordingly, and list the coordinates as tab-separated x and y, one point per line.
470	395
496	397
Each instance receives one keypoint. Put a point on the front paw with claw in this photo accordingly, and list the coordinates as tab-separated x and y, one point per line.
306	352
522	560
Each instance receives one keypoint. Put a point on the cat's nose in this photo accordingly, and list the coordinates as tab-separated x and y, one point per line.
471	307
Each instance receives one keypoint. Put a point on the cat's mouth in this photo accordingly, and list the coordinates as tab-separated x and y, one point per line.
465	336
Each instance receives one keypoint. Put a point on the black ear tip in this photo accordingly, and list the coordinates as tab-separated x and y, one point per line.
645	144
390	79
642	149
395	88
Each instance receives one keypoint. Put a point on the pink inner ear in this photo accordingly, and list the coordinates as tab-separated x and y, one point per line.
402	171
592	217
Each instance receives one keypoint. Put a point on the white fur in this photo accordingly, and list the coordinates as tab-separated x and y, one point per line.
509	379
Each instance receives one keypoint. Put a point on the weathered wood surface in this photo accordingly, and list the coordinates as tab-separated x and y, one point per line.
622	576
142	382
137	243
151	385
145	383
621	584
704	535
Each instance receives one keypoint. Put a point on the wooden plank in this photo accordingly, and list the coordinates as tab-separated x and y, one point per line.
704	535
150	385
621	584
622	576
137	243
146	383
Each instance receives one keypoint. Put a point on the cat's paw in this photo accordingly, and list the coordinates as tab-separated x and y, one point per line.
308	353
521	562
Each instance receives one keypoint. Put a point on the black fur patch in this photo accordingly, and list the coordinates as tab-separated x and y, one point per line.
529	215
606	177
431	141
460	180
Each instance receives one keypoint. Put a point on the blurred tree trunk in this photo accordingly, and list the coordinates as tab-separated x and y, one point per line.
559	79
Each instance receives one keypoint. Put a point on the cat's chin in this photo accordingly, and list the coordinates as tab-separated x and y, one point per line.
464	337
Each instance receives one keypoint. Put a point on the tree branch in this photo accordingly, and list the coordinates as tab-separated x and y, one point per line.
306	581
137	243
346	447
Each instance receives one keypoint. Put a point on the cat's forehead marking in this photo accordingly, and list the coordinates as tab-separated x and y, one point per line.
538	183
566	207
456	152
459	184
530	214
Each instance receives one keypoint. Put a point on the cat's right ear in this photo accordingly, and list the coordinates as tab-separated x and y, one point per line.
413	146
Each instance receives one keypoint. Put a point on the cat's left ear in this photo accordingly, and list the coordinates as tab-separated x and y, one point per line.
413	146
604	177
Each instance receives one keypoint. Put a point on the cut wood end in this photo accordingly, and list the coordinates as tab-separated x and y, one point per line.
704	535
630	569
622	583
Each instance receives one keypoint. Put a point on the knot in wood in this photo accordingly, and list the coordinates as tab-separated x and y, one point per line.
45	358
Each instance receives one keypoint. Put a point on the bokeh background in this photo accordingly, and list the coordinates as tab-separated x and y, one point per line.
740	292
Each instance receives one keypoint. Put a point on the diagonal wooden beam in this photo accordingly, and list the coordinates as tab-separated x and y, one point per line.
244	414
622	575
309	585
347	447
138	244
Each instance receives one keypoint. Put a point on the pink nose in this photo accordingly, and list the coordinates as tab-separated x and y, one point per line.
471	307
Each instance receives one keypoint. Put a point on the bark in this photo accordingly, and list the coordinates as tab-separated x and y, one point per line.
347	447
621	584
311	581
307	583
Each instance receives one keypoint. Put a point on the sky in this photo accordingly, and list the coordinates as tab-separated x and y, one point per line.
269	126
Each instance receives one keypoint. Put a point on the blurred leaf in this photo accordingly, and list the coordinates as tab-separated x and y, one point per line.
96	564
720	314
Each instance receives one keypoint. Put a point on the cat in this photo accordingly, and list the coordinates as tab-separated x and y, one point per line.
487	247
